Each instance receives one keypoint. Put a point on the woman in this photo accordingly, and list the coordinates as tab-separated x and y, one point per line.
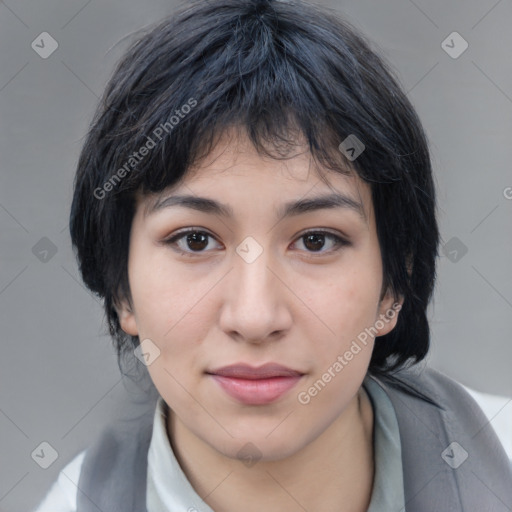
255	204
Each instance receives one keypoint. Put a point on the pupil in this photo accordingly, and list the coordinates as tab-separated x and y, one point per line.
317	240
195	238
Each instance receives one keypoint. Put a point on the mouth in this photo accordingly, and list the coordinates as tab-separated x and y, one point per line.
255	386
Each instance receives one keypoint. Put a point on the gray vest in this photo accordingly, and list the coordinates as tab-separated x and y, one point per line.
452	459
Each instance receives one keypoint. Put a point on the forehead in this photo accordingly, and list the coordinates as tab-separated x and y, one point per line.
234	167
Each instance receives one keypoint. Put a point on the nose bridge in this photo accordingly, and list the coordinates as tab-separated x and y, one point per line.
252	277
254	304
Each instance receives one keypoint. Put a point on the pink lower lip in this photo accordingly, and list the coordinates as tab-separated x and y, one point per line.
256	391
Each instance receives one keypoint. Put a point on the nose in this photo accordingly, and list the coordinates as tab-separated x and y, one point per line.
255	306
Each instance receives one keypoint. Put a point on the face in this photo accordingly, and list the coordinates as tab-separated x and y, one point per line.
264	272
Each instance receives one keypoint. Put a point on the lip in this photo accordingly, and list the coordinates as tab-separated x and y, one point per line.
256	385
246	371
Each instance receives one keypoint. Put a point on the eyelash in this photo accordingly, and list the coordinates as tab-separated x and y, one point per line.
339	242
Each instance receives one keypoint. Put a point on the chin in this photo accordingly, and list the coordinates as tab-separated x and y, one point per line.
251	447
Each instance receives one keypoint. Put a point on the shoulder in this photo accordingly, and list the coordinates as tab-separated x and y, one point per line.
428	400
445	401
103	457
498	411
425	384
117	440
62	495
451	454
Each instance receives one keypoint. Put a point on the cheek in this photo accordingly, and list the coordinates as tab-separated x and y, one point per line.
169	304
342	347
176	321
343	306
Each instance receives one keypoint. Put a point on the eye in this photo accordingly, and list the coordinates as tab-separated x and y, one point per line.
190	241
196	241
314	241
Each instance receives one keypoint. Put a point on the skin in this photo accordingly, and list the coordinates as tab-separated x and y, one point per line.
293	305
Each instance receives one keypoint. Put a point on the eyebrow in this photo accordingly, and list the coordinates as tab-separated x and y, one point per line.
293	208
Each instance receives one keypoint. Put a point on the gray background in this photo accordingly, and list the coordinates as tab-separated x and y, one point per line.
59	380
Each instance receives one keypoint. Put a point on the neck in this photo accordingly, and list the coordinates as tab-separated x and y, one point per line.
339	462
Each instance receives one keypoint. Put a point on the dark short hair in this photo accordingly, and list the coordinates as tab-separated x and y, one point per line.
278	70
